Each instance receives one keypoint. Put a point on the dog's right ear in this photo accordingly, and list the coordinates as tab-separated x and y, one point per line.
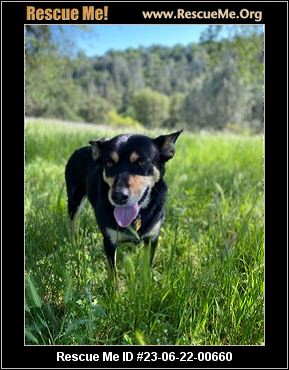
97	147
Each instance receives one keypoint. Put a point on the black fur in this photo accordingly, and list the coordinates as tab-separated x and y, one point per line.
84	177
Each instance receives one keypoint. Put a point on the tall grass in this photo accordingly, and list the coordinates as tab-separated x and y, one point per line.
206	286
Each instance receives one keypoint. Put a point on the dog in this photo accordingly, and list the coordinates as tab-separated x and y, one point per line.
123	180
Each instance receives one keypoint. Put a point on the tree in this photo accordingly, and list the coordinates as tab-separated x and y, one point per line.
176	116
95	110
150	107
207	85
218	98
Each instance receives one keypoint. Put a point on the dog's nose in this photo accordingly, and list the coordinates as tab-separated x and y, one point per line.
120	197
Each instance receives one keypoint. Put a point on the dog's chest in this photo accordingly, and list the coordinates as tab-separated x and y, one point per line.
117	236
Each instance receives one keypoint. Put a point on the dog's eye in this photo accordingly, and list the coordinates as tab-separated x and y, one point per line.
109	164
141	163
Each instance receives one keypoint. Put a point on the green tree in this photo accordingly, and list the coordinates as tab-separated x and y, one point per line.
150	107
51	90
218	98
176	116
95	109
208	85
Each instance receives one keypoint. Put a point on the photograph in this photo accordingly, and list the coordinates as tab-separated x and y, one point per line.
144	184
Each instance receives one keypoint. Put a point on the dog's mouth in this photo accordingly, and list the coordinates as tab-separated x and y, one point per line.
124	215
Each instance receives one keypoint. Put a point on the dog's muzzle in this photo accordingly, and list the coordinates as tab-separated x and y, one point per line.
125	213
120	196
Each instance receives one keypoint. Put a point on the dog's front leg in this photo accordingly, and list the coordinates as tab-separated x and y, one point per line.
151	243
110	252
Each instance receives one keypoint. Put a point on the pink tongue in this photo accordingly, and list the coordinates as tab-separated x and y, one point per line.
125	215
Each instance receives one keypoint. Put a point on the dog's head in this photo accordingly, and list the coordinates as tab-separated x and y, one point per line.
132	165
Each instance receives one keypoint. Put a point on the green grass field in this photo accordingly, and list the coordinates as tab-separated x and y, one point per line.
206	286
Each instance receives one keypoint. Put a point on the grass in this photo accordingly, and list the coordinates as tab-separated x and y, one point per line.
206	286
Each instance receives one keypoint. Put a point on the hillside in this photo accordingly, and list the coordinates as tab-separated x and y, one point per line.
212	85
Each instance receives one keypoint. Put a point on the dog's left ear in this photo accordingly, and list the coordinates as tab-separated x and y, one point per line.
166	144
97	147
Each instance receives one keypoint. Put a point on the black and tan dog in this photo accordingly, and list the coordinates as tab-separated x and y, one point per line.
123	180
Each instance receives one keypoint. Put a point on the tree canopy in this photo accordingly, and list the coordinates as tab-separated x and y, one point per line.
215	84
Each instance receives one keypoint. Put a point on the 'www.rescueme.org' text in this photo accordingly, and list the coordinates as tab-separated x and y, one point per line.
203	14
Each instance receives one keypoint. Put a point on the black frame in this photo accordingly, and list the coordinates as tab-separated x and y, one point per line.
274	353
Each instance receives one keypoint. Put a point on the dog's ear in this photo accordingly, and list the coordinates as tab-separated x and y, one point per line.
166	144
97	147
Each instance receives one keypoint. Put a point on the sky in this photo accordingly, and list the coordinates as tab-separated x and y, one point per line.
96	40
